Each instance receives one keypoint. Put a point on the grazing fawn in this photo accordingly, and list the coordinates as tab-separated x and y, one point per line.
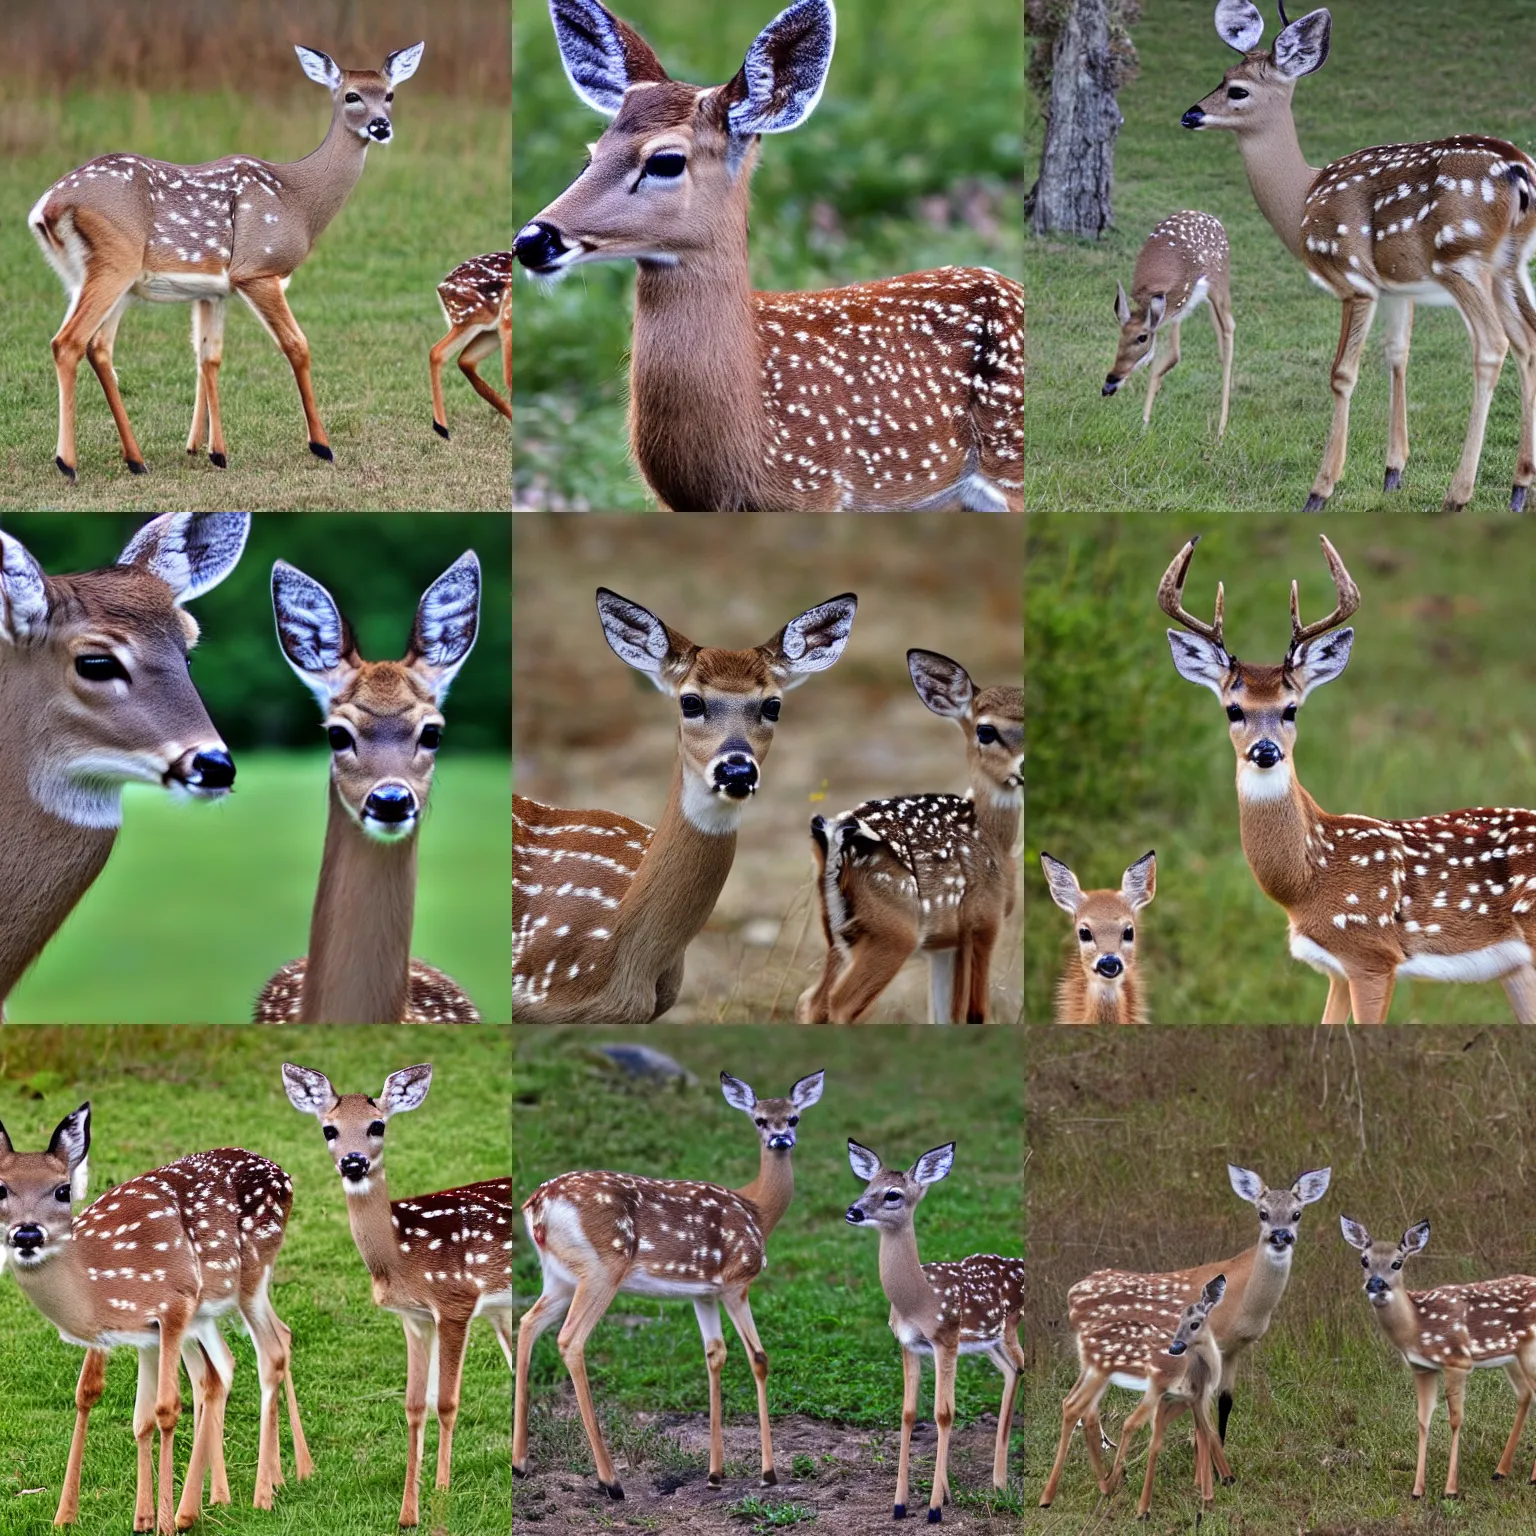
95	664
925	872
598	1235
384	721
153	1264
476	300
1452	221
437	1261
1437	898
1184	263
1118	1315
604	907
1450	1332
967	1306
902	394
124	226
1102	986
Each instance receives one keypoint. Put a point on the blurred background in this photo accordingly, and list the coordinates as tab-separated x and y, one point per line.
886	176
199	904
193	80
592	732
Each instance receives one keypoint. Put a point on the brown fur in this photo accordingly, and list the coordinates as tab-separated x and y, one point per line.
475	296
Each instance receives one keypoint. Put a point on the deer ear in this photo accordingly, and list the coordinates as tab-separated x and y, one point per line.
1122	305
313	635
1319	661
71	1139
636	636
309	1092
191	552
807	1091
1354	1234
738	1094
1416	1238
1065	891
405	1089
864	1163
403	63
602	55
1239	25
781	79
1303	47
933	1166
1311	1187
320	67
1199	660
812	641
943	685
447	621
23	592
1246	1184
1139	883
1215	1289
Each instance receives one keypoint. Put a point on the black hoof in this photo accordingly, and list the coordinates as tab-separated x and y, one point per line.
1393	481
136	466
1229	1479
1315	503
935	1517
1045	1503
218	461
67	470
899	1513
715	1479
613	1490
320	451
1517	498
518	1471
1498	1477
440	429
1142	1519
1415	1497
769	1479
1448	505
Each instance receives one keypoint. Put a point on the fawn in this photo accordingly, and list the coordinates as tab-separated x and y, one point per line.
1102	987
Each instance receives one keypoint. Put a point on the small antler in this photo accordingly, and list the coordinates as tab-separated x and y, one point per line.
1170	598
1349	601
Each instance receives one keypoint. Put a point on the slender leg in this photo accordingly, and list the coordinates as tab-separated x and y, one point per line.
1215	1455
303	1464
143	1434
418	1351
1455	1400
911	1381
439	355
1080	1403
1427	1385
104	290
875	959
265	296
452	1340
98	353
88	1390
1335	1011
1520	989
1517	308
941	985
1489	345
944	1416
1519	1381
1163	363
1397	318
1002	1358
173	1325
1133	1422
504	334
479	348
1370	997
591	1299
707	1310
1226	330
1354	327
543	1314
271	1365
209	1389
983	941
1159	1429
739	1310
208	350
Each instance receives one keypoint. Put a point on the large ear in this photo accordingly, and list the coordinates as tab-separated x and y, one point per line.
1122	305
1199	660
603	56
863	1162
1215	1289
320	67
934	1165
1065	891
943	685
23	594
405	1089
807	1091
191	552
312	633
738	1094
1303	46
781	80
1239	24
1319	661
637	636
1416	1238
812	641
447	621
403	63
1311	1187
309	1092
1157	307
1138	885
71	1139
1354	1234
1245	1183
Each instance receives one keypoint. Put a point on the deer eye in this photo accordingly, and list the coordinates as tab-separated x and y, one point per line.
100	669
1086	935
1129	936
761	1122
1365	1262
1141	338
340	738
693	706
389	95
62	1193
1236	93
431	737
1397	1263
771	708
1289	712
987	734
892	1196
5	1194
1194	1325
1234	713
376	1128
353	98
794	1119
666	164
331	1133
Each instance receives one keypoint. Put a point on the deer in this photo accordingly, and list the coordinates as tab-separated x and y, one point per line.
124	226
969	1306
1437	898
1451	221
384	723
95	663
1184	263
904	393
1448	1333
476	302
603	906
437	1261
209	1227
1103	985
931	872
1117	1315
600	1234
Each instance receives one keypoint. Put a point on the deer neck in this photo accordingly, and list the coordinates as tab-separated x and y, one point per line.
1279	822
373	1228
1256	1280
1279	176
906	1286
323	180
1089	1000
772	1189
358	971
998	814
63	1292
1400	1321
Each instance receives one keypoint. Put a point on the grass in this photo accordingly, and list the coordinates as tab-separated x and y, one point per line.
1395	73
770	1514
160	1093
885	177
1126	756
200	904
365	299
1128	1134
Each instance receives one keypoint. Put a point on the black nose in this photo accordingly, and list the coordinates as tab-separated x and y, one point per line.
27	1237
380	128
1177	1347
1375	1285
1108	966
1282	1237
391	803
1111	384
353	1166
213	770
1194	118
782	1142
736	775
538	246
1264	754
855	1215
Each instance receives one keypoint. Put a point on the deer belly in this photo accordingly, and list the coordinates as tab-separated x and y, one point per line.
171	287
642	1282
1485	964
1129	1382
1309	952
1421	291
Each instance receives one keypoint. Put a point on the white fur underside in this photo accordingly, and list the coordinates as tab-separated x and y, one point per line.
1487	964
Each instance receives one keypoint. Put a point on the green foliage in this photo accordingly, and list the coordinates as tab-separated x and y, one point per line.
768	1514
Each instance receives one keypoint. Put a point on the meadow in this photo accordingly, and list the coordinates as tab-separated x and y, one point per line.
1125	755
1128	1137
885	177
157	1094
1397	72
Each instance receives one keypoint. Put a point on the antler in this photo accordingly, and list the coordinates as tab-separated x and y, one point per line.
1170	598
1349	601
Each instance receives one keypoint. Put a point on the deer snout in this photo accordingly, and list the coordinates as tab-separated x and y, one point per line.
1177	1347
379	130
354	1167
1109	966
1376	1288
206	771
1282	1237
1111	384
854	1216
1264	754
1194	118
26	1238
539	246
390	809
735	775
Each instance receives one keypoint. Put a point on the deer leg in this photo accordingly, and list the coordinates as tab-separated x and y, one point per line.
211	1357
1522	1385
208	1417
1520	989
1397	318
98	352
1215	1456
1159	1429
983	941
208	349
873	962
270	305
1427	1385
911	1381
1517	306
1226	331
1163	362
303	1464
173	1325
1133	1422
740	1312
1455	1402
452	1341
504	335
1354	327
814	1005
1370	996
143	1434
943	1416
439	355
543	1314
707	1310
1077	1403
100	298
1335	1011
590	1300
941	986
1489	345
88	1390
481	347
272	1366
1002	1357
419	1338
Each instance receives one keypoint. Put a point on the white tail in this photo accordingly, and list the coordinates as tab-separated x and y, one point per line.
124	226
906	393
602	1234
1100	983
477	304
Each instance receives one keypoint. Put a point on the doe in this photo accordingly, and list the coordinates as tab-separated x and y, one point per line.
1102	985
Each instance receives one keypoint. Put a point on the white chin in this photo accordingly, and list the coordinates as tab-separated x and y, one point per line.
1255	783
387	831
357	1186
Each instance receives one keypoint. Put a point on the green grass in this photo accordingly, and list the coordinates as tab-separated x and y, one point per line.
1397	72
770	1514
365	299
200	904
818	1306
158	1094
876	182
1126	756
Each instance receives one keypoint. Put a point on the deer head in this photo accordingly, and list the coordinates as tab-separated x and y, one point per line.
353	1123
1192	1324
1279	1209
1105	920
1255	92
363	97
991	719
775	1119
891	1196
1383	1262
36	1189
1138	336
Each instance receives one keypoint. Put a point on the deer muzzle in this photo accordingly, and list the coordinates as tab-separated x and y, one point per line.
1194	118
539	247
25	1238
354	1167
207	772
734	775
1111	384
1177	1347
1265	754
854	1216
1109	966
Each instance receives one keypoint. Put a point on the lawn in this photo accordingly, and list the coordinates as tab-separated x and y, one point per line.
160	1093
200	904
885	177
1125	755
1128	1137
1409	71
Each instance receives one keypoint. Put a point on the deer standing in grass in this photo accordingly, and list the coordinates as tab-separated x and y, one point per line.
925	872
599	1235
125	227
1184	263
476	298
1450	1332
1101	985
906	393
384	722
153	1264
967	1306
604	907
1437	898
95	665
1119	1317
437	1261
1451	221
